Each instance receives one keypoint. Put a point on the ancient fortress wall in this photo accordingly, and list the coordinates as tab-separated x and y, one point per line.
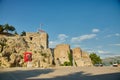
80	58
61	53
42	55
37	39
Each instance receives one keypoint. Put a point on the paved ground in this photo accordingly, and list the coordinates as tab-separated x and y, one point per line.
61	73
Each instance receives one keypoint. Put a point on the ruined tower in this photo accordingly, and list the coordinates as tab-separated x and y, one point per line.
39	40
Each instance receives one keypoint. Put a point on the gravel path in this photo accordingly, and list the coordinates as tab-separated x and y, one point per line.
61	73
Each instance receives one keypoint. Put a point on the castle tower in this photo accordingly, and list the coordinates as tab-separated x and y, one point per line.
44	40
39	40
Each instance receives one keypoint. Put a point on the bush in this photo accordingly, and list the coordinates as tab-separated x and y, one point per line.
70	63
95	58
67	63
44	54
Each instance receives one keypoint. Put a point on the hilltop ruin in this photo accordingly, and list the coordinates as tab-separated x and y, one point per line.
13	47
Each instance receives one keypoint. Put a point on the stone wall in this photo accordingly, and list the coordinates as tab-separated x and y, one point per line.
80	58
61	53
86	59
37	39
15	46
12	50
77	57
77	53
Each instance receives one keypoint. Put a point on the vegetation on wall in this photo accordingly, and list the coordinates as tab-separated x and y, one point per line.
67	63
70	58
44	54
70	62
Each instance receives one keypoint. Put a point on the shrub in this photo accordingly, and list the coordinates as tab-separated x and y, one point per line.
67	63
70	59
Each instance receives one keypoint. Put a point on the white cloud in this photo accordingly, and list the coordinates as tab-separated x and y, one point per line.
115	44
112	35
109	55
95	30
60	39
62	36
99	47
52	44
76	45
83	37
117	34
91	51
109	36
103	52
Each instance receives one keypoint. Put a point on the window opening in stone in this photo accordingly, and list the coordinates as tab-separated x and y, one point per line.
31	38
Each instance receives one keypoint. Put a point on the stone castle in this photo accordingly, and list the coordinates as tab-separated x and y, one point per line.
39	40
13	47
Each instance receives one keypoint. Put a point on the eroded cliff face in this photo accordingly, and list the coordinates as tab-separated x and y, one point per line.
12	50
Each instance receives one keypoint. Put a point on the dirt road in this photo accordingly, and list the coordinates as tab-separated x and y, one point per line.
61	73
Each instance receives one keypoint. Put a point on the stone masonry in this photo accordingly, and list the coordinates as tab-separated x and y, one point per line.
12	50
61	53
37	39
81	58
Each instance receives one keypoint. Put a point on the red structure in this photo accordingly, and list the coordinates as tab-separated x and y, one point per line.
27	56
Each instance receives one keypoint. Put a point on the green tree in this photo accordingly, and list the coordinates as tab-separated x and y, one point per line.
23	33
118	61
11	28
15	33
8	27
1	28
95	58
111	63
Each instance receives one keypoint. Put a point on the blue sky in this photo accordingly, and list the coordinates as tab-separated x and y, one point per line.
92	25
